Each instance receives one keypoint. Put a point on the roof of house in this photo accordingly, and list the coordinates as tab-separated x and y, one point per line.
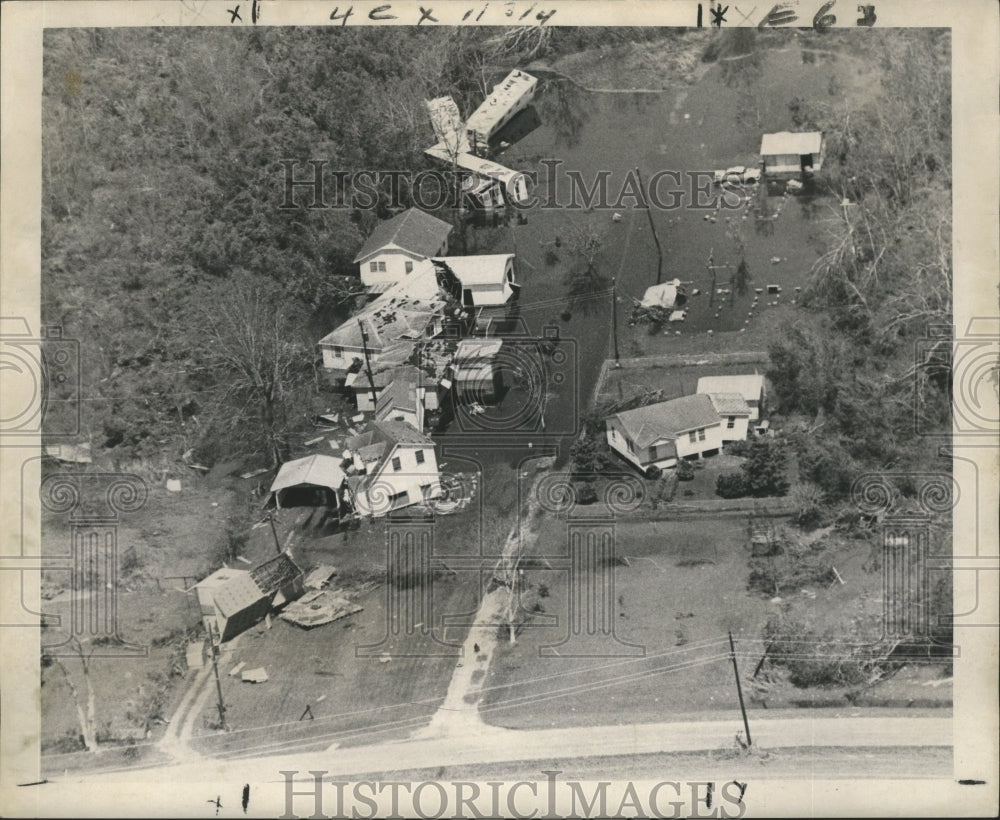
789	142
394	320
379	440
413	230
402	393
664	295
748	386
323	471
667	419
470	350
482	269
275	573
232	590
387	375
729	404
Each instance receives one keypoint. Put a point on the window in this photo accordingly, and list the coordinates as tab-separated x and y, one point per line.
397	465
693	436
701	434
338	352
373	267
420	456
409	267
631	446
381	267
731	423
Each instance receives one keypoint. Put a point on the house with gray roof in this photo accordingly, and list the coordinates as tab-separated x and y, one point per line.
660	435
394	248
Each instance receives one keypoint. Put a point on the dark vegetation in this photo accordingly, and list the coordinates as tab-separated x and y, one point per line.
197	300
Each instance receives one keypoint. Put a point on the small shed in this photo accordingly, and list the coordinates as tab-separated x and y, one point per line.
313	481
790	154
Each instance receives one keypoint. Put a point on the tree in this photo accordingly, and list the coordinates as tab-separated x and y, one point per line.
764	470
86	717
257	359
590	456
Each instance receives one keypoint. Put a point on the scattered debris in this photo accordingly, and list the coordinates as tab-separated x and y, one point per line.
254	473
808	593
196	655
258	675
386	657
616	217
319	607
312	441
173	485
318	577
237	669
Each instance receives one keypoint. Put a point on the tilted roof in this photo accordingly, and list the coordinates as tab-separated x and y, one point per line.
275	573
667	419
323	471
382	437
789	142
232	590
729	404
413	230
748	386
664	295
394	320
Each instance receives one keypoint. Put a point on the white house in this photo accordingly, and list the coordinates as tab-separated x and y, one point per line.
487	279
407	312
661	434
405	398
792	154
391	465
734	413
750	387
398	244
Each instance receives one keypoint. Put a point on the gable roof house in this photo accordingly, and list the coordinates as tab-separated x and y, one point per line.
233	600
487	280
661	434
394	248
751	387
408	311
734	413
788	154
391	465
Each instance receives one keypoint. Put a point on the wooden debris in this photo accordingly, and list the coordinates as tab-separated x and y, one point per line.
258	675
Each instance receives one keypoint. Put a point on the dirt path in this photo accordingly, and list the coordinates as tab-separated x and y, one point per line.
459	714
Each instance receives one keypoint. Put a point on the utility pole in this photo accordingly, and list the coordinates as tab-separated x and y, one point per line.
368	364
218	684
614	317
652	227
712	268
739	690
274	532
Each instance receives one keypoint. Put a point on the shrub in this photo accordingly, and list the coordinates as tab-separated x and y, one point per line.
653	472
731	485
764	470
685	471
585	492
737	448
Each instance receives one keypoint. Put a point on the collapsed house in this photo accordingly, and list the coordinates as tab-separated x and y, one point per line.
388	328
233	600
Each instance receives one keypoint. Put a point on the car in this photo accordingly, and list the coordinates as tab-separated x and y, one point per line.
738	175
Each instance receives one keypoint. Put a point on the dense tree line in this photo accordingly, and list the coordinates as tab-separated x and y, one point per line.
161	191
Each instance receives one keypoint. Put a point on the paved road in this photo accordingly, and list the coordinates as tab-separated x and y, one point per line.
493	745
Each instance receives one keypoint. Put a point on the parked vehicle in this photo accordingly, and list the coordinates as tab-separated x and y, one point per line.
738	175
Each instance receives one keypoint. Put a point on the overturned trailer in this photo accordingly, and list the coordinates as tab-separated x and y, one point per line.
507	99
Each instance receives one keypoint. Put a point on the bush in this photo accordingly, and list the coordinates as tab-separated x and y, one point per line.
585	492
764	470
730	485
828	466
685	471
737	448
653	472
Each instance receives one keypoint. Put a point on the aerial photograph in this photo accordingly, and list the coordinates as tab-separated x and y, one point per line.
444	405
